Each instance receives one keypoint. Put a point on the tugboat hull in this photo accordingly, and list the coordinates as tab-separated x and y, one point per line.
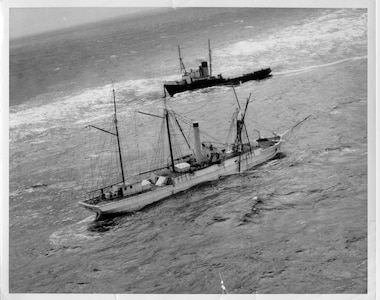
182	86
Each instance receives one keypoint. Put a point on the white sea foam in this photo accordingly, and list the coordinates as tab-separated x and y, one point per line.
292	49
83	107
335	112
73	235
333	35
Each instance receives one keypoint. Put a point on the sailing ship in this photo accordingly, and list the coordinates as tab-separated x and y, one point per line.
204	162
202	77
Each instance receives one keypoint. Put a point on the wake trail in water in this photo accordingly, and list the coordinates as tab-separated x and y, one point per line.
73	235
319	66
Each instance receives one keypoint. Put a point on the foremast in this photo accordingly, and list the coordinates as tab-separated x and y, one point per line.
117	136
116	133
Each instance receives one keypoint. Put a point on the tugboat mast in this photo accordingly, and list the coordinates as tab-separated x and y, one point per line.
181	64
209	57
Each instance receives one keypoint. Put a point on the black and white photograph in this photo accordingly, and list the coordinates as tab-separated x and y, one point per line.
214	150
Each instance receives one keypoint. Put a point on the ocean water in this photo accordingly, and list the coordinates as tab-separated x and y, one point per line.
309	232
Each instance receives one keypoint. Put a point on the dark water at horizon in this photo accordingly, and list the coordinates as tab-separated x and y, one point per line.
310	232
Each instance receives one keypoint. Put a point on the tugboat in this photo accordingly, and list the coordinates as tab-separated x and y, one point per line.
202	77
199	162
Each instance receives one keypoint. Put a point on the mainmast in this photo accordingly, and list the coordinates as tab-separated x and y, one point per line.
166	117
240	121
169	138
117	136
240	124
209	57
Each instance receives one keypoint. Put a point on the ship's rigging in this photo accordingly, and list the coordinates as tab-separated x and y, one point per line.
180	160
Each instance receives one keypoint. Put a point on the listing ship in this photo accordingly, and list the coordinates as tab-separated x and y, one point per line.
203	162
202	77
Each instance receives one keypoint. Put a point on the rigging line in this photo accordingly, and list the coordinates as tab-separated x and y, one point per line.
201	131
101	129
236	97
90	183
189	136
97	160
215	139
113	161
263	115
188	122
109	165
99	175
183	134
176	145
83	159
232	125
158	156
196	109
138	148
259	125
104	168
148	114
217	143
245	112
183	117
114	164
179	126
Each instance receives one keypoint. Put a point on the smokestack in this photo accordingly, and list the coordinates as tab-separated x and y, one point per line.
197	140
205	68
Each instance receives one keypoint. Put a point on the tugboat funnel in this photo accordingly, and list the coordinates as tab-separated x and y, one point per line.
197	140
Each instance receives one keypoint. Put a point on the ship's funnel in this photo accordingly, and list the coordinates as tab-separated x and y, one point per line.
197	140
204	68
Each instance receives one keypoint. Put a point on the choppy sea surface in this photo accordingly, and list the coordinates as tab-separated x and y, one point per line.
296	224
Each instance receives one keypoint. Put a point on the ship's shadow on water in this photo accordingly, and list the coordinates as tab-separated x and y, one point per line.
279	155
109	222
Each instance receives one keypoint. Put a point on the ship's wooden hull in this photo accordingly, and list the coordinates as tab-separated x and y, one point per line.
181	183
